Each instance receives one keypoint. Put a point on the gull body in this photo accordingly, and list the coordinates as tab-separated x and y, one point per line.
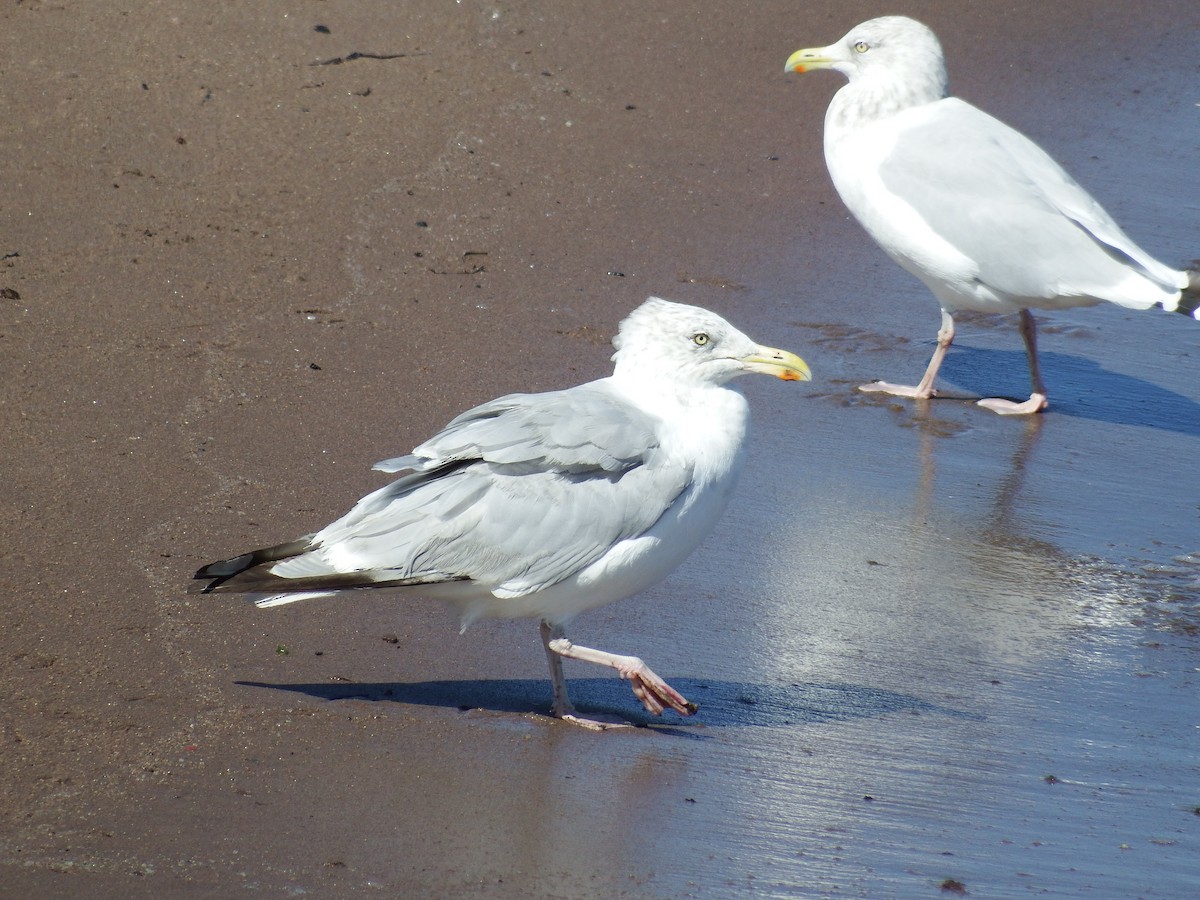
548	505
974	209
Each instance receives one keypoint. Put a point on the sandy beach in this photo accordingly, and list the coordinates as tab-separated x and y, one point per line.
247	250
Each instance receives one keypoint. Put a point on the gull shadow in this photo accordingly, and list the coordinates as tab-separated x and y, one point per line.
722	703
1077	386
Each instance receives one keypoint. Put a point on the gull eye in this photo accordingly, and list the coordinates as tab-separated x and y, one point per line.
700	338
861	47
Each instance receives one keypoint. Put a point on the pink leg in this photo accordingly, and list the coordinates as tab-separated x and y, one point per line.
1037	400
923	390
655	694
561	707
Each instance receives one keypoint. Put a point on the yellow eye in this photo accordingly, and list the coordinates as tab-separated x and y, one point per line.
862	47
700	339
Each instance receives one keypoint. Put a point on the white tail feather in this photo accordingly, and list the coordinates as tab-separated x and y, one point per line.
281	599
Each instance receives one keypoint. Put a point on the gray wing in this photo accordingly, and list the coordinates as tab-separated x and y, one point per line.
1004	203
583	428
516	494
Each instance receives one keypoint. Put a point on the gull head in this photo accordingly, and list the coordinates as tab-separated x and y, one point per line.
687	344
891	50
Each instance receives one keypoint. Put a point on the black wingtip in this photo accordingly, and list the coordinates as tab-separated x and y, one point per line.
1189	302
223	570
226	568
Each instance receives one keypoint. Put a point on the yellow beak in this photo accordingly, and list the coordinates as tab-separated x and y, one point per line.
810	58
780	363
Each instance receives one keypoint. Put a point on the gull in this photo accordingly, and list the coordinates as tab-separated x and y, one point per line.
977	211
548	505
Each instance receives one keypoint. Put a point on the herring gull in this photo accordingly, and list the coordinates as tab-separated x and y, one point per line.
547	505
977	211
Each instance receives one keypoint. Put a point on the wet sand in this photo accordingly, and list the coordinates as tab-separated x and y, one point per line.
931	646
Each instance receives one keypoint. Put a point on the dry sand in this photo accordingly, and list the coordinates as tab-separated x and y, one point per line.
236	272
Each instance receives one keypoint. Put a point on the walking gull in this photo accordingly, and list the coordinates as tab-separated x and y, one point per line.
971	207
548	505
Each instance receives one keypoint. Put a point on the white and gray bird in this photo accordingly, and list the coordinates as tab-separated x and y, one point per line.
977	211
547	505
